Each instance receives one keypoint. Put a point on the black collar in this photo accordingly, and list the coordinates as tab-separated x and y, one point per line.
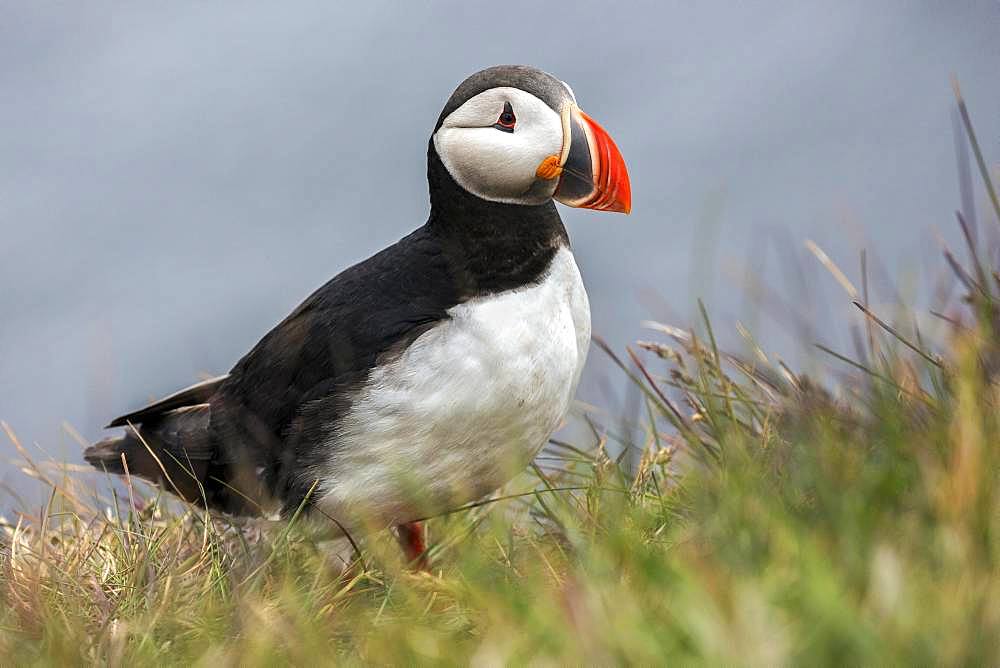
492	246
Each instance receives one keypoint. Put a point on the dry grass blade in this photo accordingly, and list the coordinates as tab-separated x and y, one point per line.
666	407
980	161
652	383
832	267
963	276
973	253
912	346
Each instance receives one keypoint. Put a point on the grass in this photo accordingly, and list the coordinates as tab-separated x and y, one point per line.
763	517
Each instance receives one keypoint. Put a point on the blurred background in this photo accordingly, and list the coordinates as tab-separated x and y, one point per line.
174	178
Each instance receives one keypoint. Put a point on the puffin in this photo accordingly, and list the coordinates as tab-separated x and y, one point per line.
428	375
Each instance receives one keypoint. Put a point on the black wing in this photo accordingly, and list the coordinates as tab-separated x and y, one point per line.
199	393
279	402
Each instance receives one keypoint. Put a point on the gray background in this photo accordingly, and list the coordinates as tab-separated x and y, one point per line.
175	177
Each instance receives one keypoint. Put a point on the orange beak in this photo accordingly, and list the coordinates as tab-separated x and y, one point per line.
593	172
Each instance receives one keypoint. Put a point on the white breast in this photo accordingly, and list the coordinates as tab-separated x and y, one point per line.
465	408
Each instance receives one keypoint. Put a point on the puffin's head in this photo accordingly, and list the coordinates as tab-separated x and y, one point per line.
514	134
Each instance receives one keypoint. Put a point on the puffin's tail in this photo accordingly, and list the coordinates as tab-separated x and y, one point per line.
107	453
173	451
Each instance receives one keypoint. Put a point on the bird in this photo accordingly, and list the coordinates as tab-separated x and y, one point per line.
430	374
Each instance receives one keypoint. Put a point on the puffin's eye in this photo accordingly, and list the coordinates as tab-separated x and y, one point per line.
507	119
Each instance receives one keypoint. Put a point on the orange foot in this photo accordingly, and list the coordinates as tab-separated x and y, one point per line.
412	538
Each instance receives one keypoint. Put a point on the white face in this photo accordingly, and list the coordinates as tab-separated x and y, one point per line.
492	162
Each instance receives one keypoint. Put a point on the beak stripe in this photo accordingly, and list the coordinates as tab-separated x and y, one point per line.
567	119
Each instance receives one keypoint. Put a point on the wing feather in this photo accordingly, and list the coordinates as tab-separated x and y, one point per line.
199	393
